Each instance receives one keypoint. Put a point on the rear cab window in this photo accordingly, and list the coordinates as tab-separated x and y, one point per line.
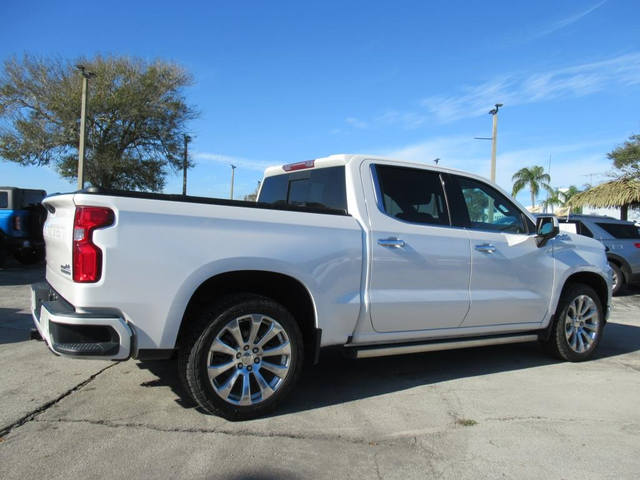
322	188
4	200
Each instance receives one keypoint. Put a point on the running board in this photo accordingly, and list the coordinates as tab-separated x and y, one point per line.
436	345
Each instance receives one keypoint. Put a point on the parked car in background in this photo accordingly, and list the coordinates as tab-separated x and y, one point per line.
22	217
621	238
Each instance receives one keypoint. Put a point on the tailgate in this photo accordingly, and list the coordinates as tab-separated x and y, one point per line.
58	237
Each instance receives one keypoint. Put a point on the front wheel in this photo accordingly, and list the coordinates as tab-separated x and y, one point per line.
578	324
242	357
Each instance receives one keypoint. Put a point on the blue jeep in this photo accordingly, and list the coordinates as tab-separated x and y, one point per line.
22	217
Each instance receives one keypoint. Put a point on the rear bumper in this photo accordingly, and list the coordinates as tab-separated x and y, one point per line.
71	334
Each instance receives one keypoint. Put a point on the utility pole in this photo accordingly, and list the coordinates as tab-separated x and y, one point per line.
83	123
233	171
494	139
187	139
547	204
494	143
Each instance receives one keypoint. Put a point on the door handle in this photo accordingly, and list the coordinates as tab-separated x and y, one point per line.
391	242
486	248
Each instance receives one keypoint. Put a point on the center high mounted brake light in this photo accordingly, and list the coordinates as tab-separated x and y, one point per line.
292	167
87	256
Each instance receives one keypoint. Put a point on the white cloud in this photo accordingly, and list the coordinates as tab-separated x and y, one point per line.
522	89
571	163
544	30
356	123
391	118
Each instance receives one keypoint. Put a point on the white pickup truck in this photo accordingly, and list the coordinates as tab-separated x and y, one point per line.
377	256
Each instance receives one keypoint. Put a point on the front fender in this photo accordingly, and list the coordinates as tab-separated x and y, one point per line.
579	257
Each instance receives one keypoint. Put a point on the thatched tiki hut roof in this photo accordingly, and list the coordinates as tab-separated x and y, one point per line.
620	194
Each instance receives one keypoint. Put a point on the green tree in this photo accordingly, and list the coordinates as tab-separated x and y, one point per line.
560	198
253	197
137	114
535	178
626	159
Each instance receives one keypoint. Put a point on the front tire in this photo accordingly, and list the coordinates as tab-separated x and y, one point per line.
242	356
578	325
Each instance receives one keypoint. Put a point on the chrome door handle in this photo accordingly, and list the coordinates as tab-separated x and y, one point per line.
391	242
486	248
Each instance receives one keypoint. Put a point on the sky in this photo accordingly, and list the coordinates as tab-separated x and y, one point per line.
282	82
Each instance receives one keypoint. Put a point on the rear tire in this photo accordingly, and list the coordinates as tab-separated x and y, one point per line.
618	279
578	324
241	357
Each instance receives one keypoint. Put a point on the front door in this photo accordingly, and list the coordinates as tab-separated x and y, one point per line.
511	277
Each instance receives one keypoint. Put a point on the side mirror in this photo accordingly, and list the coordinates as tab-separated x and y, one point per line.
546	229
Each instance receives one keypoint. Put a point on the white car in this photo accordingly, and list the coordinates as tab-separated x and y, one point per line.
378	256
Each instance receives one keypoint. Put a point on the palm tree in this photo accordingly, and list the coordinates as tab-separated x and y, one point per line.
535	178
560	197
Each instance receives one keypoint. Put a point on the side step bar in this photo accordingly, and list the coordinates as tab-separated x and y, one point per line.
436	345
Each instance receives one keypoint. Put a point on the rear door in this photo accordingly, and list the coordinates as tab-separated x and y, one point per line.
511	277
420	264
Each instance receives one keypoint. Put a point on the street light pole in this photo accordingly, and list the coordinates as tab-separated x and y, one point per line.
494	140
83	123
187	139
233	171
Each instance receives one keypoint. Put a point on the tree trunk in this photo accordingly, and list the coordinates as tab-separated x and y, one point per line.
533	200
624	210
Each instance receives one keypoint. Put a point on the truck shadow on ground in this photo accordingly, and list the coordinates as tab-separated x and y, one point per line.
337	379
14	273
15	326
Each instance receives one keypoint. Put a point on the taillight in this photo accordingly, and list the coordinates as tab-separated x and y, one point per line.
87	257
17	223
637	245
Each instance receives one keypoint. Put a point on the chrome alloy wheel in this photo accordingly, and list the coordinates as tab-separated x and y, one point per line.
249	359
581	323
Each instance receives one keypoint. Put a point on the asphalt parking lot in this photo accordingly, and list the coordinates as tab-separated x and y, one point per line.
493	412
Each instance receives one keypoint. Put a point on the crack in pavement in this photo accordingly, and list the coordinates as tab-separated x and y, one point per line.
40	410
541	419
240	433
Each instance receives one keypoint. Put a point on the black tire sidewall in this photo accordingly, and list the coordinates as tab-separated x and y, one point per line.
205	394
620	275
560	342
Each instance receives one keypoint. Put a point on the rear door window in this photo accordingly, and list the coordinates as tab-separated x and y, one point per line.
620	230
4	200
412	195
321	188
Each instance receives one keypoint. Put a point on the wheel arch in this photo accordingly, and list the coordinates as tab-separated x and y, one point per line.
282	288
593	280
622	262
